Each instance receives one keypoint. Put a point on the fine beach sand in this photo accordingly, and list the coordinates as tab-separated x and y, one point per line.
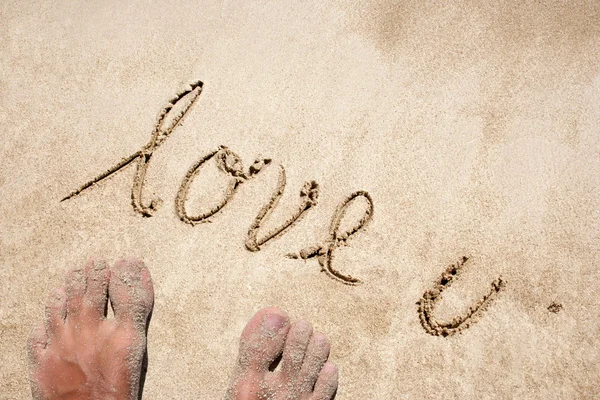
474	127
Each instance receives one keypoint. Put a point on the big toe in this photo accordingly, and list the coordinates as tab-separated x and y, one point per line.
263	339
131	292
261	344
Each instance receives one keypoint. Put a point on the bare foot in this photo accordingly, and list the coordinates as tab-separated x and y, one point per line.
305	373
79	354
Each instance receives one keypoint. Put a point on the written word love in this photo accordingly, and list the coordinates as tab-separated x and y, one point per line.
232	169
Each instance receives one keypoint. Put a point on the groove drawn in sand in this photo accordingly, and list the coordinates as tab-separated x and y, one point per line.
143	156
308	195
555	307
230	164
324	252
431	297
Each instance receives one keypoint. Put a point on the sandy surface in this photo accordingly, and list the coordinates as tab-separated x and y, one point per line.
474	127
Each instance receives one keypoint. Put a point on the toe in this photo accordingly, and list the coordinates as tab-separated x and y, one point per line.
36	344
316	355
131	292
56	311
97	275
327	383
295	348
75	288
263	339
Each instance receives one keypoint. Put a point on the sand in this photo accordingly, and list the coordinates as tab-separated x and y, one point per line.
473	126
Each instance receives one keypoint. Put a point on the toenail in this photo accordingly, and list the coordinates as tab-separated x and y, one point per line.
303	325
100	265
129	277
273	323
77	276
57	296
320	339
329	369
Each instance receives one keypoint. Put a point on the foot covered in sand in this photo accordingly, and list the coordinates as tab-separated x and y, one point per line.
77	353
303	374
